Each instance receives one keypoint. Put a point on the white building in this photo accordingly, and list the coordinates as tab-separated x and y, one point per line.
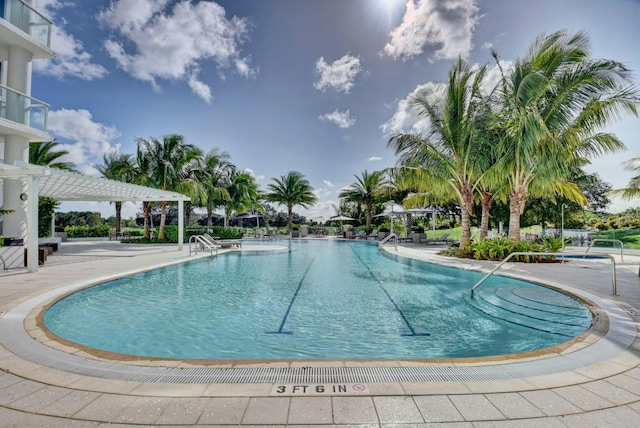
25	35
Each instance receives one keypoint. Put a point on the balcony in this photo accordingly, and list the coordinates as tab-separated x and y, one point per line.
22	115
27	19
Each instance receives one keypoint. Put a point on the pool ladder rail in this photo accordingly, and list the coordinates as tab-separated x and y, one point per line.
202	243
614	291
389	238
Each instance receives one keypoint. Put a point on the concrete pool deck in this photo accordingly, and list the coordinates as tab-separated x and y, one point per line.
606	393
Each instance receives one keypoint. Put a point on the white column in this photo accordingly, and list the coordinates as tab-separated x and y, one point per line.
180	225
32	224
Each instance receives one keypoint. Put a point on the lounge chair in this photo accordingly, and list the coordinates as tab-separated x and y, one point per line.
440	240
361	235
409	238
373	234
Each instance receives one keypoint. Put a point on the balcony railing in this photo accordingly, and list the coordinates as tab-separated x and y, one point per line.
23	109
28	19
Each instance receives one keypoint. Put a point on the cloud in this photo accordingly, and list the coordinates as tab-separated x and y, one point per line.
407	117
253	174
328	184
447	23
88	140
340	118
71	59
174	44
374	159
338	75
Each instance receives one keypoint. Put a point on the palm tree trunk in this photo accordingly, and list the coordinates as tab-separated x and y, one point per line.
484	222
163	219
118	216
465	217
516	206
209	217
146	209
290	211
368	209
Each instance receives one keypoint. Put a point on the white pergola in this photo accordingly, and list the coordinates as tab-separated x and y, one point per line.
71	186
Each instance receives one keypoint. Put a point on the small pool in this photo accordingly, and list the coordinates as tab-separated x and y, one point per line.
320	299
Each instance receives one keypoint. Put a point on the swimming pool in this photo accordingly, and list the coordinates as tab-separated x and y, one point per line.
322	299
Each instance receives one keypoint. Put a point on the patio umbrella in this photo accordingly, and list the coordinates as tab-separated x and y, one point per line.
341	218
252	214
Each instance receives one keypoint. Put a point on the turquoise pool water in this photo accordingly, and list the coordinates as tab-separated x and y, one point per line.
322	299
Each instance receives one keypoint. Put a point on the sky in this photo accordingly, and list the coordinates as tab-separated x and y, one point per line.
316	86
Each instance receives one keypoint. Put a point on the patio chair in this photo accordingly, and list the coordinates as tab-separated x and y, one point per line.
440	240
373	234
360	235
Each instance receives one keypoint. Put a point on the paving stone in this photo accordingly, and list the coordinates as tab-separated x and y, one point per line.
183	411
583	398
397	410
224	411
628	383
618	417
550	403
611	392
144	410
514	406
354	410
70	403
437	408
310	410
18	390
105	408
28	420
547	422
40	398
476	408
267	410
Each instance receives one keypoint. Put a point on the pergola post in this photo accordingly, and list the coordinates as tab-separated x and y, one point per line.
180	224
32	223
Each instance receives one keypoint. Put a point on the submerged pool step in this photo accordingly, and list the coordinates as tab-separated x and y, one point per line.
544	316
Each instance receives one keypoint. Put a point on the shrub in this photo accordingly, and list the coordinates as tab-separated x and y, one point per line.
498	249
87	231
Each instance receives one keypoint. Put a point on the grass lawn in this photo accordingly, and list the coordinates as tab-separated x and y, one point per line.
629	237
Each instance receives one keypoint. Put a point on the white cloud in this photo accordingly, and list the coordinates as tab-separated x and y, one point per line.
340	118
88	140
253	174
447	23
338	75
71	58
328	184
407	117
174	44
374	159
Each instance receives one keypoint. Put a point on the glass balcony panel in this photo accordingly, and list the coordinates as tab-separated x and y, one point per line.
23	109
29	20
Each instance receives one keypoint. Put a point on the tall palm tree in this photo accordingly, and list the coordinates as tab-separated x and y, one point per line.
216	167
291	190
552	106
116	167
243	193
451	153
174	165
368	190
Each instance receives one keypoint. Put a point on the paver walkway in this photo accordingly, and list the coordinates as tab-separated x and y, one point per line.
601	395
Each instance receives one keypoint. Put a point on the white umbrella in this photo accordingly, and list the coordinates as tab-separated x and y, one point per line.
341	218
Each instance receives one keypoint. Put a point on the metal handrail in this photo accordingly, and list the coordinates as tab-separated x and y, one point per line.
387	239
607	240
195	239
614	290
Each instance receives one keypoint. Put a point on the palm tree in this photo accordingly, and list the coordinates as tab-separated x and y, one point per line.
174	165
46	154
216	167
243	193
368	190
451	154
290	190
633	188
116	167
552	106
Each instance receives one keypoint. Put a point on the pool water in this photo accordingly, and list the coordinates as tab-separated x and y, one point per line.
321	299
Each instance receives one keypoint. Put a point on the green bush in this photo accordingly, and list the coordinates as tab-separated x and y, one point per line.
87	231
498	249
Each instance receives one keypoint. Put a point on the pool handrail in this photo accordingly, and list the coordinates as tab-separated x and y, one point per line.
204	242
614	288
387	239
607	240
